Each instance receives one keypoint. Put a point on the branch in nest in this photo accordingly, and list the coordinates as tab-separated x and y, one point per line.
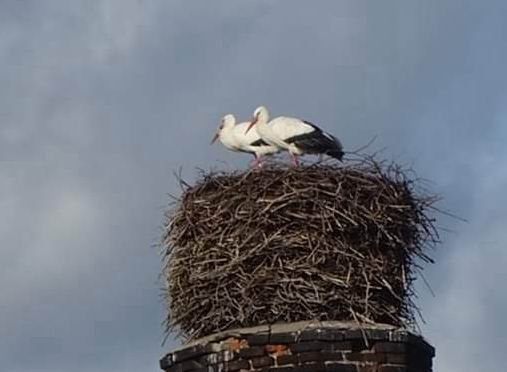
288	244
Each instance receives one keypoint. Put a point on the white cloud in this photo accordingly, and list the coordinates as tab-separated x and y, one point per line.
52	231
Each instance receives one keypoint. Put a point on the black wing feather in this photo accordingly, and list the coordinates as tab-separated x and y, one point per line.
259	142
318	142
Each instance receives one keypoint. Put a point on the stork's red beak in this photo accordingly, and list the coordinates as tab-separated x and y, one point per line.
215	137
252	123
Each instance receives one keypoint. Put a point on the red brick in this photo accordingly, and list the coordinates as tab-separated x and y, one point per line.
393	369
262	362
390	347
332	356
283	338
365	357
343	346
396	358
310	346
340	367
319	356
258	339
314	367
189	365
236	365
280	369
322	335
310	356
191	352
287	359
253	351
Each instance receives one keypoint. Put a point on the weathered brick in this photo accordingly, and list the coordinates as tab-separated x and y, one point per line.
343	346
413	341
321	335
314	367
319	356
262	362
310	356
258	339
368	367
353	357
377	334
332	356
390	347
365	357
237	365
287	359
316	350
189	365
430	350
214	358
354	334
283	338
253	351
359	344
392	368
340	367
312	335
281	369
191	352
350	345
310	346
208	359
419	359
174	368
422	346
277	349
166	361
234	343
396	358
399	336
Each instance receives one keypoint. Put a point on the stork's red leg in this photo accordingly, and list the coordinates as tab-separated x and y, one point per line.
253	162
257	162
260	161
294	159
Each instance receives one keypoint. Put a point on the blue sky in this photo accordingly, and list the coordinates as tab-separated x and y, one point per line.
101	101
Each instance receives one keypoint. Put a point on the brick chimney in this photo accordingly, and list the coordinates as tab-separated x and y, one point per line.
309	346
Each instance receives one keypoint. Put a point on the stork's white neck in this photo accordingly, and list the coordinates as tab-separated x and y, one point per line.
265	130
226	132
262	116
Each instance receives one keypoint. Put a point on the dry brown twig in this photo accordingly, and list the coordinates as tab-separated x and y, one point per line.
285	244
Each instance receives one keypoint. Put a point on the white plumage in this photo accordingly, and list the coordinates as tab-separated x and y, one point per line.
297	136
235	137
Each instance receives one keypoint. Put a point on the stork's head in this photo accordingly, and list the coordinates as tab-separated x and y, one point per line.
226	122
260	114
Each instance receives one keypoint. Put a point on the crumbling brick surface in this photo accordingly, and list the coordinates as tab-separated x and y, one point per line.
310	349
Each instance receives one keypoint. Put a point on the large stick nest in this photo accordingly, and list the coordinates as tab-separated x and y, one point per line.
289	244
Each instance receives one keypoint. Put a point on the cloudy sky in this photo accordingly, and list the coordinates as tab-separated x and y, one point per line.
100	101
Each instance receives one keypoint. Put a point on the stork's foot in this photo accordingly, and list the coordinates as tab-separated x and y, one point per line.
258	162
294	160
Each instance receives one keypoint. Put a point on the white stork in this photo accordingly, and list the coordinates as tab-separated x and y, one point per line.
297	136
236	138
